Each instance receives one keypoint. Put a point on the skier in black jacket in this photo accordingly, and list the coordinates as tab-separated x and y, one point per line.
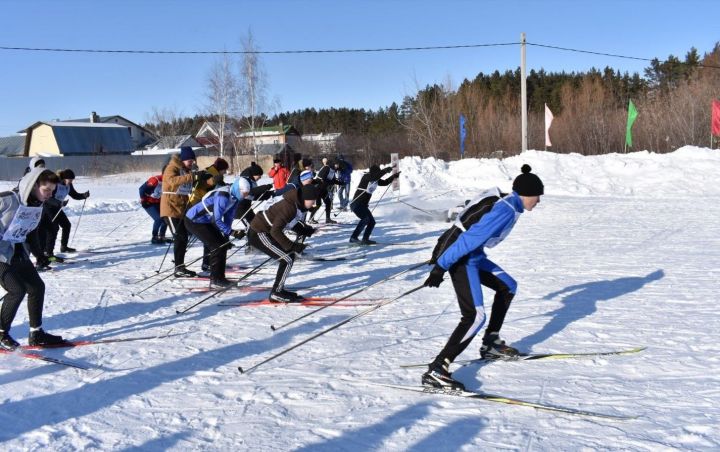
360	202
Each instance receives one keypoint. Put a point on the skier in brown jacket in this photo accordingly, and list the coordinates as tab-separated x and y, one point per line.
179	178
266	234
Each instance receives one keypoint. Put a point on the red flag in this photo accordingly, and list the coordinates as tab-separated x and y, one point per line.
715	118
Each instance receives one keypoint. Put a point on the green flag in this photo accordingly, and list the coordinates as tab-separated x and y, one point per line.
632	115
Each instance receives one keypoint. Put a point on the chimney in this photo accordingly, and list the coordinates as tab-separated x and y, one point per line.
94	117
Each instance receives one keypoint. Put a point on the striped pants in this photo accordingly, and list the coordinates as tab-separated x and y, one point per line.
264	242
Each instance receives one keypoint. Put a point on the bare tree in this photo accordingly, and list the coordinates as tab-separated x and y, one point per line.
165	121
252	86
222	96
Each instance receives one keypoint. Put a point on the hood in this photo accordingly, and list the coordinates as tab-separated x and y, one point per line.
34	160
27	183
294	197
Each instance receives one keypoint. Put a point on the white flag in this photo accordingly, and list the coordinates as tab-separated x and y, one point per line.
548	121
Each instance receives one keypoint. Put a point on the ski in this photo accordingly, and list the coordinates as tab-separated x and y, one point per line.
308	301
206	289
81	343
47	359
538	356
506	400
331	259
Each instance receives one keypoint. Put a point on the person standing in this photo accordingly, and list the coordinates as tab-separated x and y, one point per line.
360	205
325	181
217	171
345	176
266	234
279	174
20	212
177	186
150	193
461	251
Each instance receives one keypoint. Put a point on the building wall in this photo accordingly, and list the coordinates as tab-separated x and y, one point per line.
43	141
137	136
12	168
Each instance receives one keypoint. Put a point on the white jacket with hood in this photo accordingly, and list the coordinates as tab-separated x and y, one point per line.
10	201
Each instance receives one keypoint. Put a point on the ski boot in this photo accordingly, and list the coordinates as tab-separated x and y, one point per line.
220	283
40	337
67	249
495	348
284	296
7	342
182	272
355	240
166	240
367	242
54	258
157	241
438	376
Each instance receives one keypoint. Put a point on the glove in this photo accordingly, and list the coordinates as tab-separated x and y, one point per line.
145	204
298	248
387	170
86	195
436	277
308	231
65	203
267	195
397	175
238	233
201	176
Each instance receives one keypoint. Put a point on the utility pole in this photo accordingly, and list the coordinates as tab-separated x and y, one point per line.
523	93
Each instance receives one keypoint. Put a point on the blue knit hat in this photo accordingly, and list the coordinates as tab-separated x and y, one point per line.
186	153
306	175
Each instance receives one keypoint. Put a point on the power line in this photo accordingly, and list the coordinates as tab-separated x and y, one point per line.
256	52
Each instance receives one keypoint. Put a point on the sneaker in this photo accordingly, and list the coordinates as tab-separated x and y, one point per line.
183	272
7	342
67	249
495	348
283	296
58	259
368	242
354	240
438	376
220	283
40	337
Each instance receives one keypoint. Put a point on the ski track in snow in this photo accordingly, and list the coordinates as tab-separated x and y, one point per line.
595	272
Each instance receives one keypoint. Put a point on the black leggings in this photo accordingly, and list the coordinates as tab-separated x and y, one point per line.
215	249
180	236
19	278
52	230
265	243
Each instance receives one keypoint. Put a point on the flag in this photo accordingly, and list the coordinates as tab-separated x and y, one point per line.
462	135
632	115
715	129
548	120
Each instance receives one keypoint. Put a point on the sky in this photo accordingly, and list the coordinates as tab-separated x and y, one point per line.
45	86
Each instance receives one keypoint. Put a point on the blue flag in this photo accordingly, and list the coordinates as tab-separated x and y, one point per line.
462	135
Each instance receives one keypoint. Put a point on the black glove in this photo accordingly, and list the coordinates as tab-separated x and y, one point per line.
298	248
308	231
397	175
267	195
238	234
201	176
436	277
86	195
65	203
387	170
145	204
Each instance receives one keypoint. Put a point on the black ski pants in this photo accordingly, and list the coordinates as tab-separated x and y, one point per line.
18	278
52	228
268	245
180	236
215	246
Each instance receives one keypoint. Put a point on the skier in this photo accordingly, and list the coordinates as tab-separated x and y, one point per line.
150	193
252	174
35	162
20	212
217	170
266	234
179	178
325	180
461	250
54	217
211	219
360	203
345	176
279	174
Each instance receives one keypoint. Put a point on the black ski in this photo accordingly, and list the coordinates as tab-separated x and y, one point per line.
538	356
47	359
80	343
505	400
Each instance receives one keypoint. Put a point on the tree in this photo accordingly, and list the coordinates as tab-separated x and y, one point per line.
222	96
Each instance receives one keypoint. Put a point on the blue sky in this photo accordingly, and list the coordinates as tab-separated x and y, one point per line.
42	86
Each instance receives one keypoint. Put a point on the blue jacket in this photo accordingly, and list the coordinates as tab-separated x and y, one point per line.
345	172
221	204
492	228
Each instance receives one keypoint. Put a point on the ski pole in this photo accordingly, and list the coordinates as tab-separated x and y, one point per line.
416	208
441	194
274	328
337	325
129	217
351	202
56	215
167	250
79	218
381	197
244	277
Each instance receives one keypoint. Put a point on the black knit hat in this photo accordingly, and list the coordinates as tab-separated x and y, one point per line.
309	192
528	184
255	169
66	174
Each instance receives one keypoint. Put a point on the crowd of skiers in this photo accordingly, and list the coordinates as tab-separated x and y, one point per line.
186	200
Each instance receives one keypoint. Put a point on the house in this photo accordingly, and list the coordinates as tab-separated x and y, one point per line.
139	135
76	138
209	135
269	135
13	146
326	142
174	142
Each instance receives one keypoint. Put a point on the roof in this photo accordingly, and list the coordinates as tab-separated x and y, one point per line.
321	136
214	127
88	138
271	149
174	142
272	130
106	119
12	146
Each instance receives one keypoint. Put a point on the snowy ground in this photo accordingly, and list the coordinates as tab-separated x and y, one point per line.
624	251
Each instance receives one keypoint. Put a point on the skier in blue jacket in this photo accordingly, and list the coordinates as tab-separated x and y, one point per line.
463	255
211	219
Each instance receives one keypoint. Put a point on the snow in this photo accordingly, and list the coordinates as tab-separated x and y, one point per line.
623	251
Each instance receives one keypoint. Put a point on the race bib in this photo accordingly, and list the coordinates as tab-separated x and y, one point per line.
299	216
61	192
25	221
372	186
